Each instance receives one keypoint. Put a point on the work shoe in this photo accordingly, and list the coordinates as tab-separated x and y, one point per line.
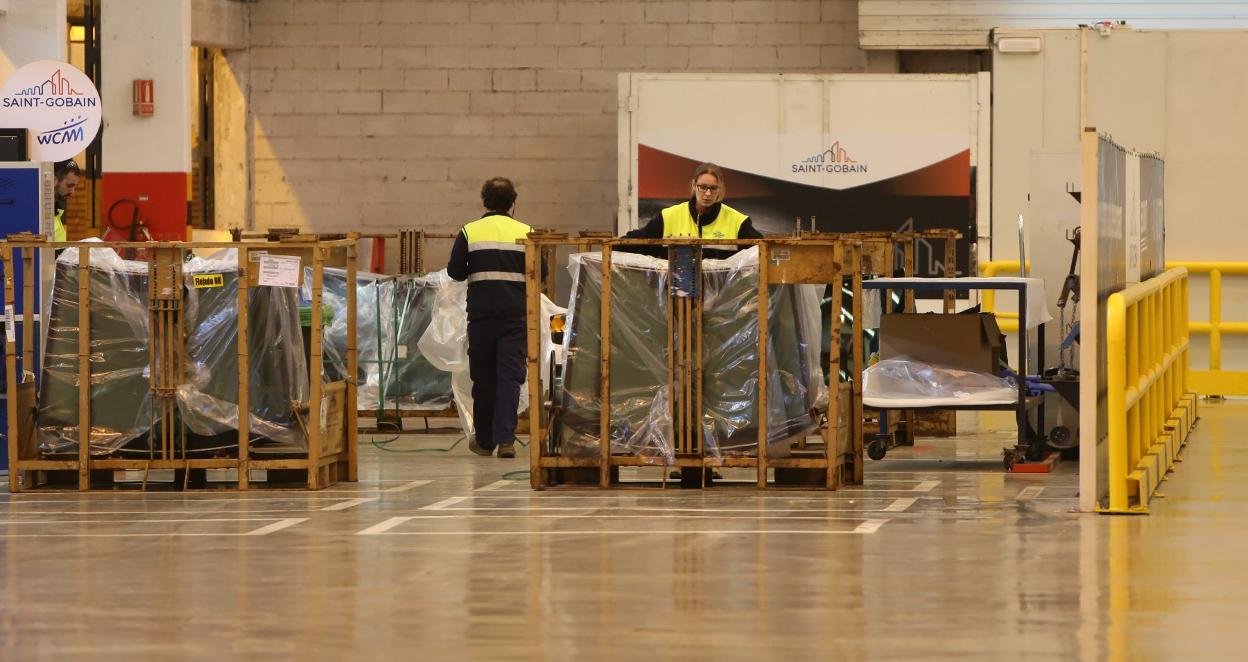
474	447
506	451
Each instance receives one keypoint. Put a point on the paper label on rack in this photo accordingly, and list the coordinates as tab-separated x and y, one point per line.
279	271
402	351
10	324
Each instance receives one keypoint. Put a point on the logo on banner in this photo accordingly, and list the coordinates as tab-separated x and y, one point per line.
835	159
57	103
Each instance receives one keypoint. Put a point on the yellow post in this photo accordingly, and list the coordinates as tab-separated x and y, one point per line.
1115	333
1215	319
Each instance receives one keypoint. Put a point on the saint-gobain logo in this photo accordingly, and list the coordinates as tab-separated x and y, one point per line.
833	159
56	103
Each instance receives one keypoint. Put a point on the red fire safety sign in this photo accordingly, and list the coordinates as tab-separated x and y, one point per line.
144	97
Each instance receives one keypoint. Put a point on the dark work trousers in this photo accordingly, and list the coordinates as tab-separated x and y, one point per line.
497	356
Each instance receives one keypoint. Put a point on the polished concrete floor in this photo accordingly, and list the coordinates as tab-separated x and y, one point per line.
439	556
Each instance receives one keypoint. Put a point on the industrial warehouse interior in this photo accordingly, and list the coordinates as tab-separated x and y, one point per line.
622	329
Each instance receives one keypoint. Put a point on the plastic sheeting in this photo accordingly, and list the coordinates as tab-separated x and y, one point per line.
640	400
278	371
392	313
902	382
445	345
120	394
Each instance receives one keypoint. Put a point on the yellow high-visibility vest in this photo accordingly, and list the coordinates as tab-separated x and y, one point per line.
496	229
678	222
58	228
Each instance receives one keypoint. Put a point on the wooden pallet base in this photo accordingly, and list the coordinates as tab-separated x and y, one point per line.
804	470
195	474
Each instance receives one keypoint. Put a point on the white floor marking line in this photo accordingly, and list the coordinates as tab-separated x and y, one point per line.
496	485
441	505
407	486
844	494
596	516
381	527
192	499
276	526
1030	492
137	521
926	486
870	526
350	503
862	529
900	505
249	511
647	509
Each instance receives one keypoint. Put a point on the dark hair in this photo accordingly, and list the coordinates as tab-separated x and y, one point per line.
498	194
65	167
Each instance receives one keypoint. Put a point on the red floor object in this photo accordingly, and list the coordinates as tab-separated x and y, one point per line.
1044	466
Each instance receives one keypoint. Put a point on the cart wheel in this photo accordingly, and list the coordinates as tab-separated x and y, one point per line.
1008	458
1060	438
876	450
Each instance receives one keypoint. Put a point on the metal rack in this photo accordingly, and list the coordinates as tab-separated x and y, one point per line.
1023	449
327	421
811	258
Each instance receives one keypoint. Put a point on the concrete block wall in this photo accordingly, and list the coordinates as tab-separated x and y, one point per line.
371	115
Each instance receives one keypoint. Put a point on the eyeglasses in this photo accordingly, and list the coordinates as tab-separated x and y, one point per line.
707	188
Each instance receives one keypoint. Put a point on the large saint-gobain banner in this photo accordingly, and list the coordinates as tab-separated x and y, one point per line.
856	152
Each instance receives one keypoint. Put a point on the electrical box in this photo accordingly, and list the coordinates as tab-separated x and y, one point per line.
26	205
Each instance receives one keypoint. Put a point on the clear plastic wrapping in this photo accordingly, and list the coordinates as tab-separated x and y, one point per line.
795	379
277	368
640	401
444	344
640	397
122	414
392	314
902	382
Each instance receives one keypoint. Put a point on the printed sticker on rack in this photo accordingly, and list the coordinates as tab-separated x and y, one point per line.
203	281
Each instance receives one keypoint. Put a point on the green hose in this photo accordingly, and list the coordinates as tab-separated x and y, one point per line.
384	445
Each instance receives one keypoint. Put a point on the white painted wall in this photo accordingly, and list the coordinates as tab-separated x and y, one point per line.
1178	93
966	24
147	39
31	30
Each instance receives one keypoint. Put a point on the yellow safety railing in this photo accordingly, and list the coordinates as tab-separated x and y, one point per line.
1149	408
1006	321
1215	380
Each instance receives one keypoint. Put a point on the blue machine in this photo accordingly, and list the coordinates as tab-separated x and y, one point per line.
26	205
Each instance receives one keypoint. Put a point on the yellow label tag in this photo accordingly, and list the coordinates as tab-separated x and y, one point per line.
207	280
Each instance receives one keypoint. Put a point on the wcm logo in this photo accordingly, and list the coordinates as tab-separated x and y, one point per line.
71	132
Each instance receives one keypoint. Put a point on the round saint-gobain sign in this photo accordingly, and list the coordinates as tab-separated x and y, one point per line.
57	103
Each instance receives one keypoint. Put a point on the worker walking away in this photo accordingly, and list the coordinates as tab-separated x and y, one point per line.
703	216
67	175
487	256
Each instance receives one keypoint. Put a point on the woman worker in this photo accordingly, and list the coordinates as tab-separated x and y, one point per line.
704	215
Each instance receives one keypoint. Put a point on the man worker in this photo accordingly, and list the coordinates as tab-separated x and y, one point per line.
487	256
703	216
67	175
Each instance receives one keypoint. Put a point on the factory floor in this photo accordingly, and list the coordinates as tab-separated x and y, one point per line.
436	556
